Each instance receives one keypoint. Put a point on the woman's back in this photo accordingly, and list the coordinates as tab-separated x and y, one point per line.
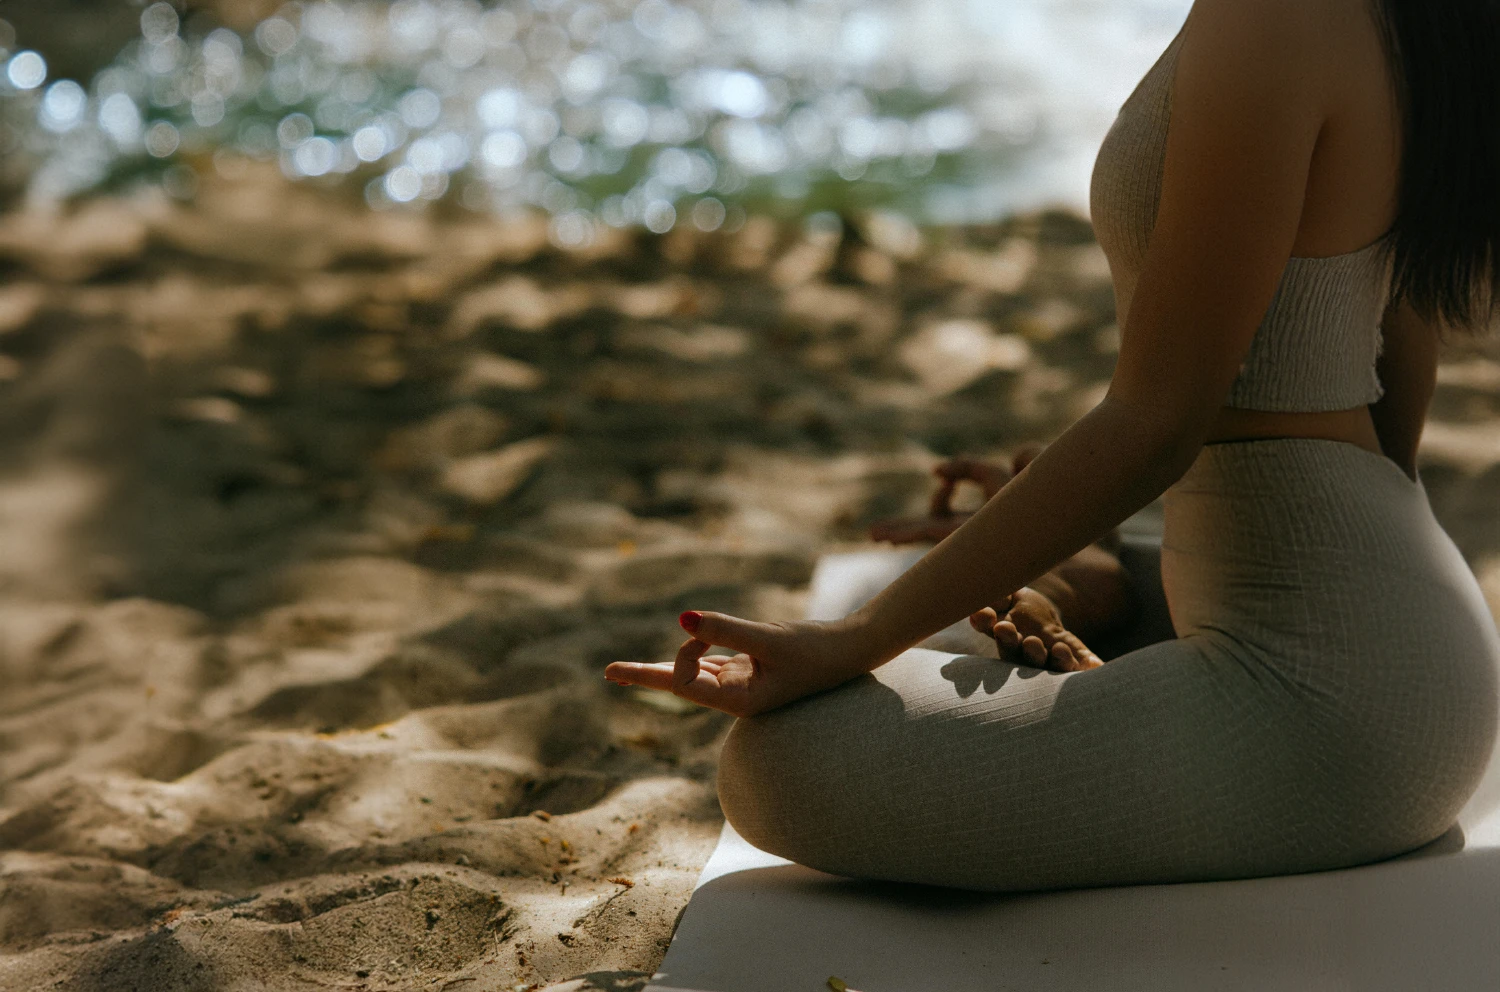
1316	348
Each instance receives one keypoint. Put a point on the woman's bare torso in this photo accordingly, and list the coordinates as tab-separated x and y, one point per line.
1351	199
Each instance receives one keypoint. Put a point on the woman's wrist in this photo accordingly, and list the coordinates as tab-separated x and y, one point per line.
866	640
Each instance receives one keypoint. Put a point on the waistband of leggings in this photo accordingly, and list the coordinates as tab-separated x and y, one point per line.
1281	461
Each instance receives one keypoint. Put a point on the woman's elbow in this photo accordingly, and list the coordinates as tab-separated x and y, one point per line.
1166	436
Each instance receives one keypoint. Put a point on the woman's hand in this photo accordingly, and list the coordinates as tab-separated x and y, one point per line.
776	663
1031	632
941	520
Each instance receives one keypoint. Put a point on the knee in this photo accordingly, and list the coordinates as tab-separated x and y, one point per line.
749	767
771	784
790	792
798	781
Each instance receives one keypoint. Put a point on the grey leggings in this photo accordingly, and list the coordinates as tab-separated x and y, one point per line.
1330	698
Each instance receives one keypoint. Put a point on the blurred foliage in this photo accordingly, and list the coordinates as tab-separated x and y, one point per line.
616	112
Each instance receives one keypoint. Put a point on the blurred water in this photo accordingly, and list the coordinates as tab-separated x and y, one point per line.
1071	62
622	112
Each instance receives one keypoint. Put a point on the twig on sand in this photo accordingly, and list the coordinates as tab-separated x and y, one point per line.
625	885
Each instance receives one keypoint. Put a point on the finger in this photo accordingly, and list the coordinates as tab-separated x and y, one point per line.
704	689
685	667
951	469
941	504
960	469
728	632
651	675
989	475
1062	656
994	479
984	620
991	478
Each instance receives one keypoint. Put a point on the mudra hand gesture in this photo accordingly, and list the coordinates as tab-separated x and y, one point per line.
775	663
941	520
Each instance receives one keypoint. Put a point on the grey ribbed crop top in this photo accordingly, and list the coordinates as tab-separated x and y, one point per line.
1316	347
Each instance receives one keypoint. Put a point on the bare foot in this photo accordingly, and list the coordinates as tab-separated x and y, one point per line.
1031	632
1047	623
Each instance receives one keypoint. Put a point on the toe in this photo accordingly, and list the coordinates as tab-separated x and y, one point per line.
1006	634
1080	651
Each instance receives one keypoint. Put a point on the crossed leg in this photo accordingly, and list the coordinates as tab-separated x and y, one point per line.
1174	762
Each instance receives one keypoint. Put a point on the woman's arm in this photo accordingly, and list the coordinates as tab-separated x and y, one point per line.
1246	114
1408	370
1108	465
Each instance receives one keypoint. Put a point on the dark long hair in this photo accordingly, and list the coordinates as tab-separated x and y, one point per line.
1445	60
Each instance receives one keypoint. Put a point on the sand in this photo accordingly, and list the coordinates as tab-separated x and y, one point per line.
317	528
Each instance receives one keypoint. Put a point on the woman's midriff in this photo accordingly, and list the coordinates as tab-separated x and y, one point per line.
1353	426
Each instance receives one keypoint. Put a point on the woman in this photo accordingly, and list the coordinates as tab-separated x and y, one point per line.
1331	697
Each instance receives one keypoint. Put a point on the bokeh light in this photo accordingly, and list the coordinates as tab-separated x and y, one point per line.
120	118
158	23
403	184
26	70
162	139
656	113
62	106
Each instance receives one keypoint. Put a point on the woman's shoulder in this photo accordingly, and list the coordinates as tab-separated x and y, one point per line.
1314	44
1296	26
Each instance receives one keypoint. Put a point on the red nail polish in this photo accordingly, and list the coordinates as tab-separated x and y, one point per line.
690	620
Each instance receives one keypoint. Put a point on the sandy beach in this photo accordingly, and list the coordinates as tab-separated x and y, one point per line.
318	527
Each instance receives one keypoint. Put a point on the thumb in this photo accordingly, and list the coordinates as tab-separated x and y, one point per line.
941	503
726	631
